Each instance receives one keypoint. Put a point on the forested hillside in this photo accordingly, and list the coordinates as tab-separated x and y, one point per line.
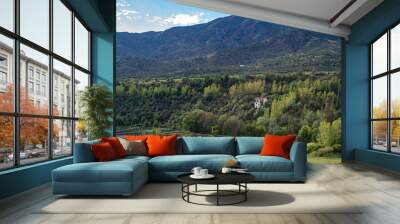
229	45
231	76
307	104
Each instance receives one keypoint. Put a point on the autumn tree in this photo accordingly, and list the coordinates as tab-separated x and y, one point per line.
33	131
6	122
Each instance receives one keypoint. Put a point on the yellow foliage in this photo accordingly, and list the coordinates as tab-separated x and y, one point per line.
252	87
380	127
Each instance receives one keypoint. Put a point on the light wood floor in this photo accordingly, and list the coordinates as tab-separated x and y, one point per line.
379	189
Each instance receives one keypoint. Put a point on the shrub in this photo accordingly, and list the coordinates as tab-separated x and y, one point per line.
337	147
330	133
322	152
305	134
312	147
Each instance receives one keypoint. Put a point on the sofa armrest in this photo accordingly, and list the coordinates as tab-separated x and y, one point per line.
298	155
83	152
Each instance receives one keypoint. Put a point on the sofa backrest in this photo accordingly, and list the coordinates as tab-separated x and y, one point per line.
249	145
83	152
206	145
191	146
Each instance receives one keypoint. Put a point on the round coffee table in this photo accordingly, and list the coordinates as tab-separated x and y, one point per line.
238	179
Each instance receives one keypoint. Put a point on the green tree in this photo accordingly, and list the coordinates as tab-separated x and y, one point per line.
330	133
185	90
337	131
120	90
252	87
97	104
232	126
212	91
133	90
305	134
198	121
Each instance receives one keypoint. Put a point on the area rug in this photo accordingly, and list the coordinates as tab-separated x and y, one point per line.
166	198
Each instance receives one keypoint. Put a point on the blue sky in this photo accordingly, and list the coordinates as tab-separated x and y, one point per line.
137	16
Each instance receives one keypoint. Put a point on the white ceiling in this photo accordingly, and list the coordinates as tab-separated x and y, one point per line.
315	15
321	9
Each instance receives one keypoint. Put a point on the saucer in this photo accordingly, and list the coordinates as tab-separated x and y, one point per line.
208	176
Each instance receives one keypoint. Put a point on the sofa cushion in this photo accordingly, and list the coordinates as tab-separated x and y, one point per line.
112	171
134	157
275	145
161	145
257	163
185	163
207	145
249	145
116	145
103	152
134	147
135	137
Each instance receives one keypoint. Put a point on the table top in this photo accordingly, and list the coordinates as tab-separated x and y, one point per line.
220	178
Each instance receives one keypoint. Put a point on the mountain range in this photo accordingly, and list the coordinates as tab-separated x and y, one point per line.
228	45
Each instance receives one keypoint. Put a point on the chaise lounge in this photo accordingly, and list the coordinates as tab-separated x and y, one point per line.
125	176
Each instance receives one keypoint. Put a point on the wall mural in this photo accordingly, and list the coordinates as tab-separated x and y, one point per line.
192	71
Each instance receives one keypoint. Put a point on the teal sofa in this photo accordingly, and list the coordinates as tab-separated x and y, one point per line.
125	176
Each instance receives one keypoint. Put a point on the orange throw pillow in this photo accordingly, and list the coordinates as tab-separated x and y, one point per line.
161	145
135	137
116	145
277	145
103	152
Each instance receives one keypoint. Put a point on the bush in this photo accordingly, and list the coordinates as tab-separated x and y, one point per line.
312	147
322	152
337	147
330	133
305	134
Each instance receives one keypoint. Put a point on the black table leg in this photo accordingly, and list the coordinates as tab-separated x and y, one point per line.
245	194
188	190
220	193
217	194
182	190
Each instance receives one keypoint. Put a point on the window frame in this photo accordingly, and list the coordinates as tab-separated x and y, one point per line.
388	74
16	114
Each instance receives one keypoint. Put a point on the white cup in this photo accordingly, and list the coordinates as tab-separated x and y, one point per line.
203	172
196	171
226	170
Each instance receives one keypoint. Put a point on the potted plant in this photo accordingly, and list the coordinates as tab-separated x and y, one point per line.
97	102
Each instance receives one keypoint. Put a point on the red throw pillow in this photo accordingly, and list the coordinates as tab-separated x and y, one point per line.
116	145
277	145
161	145
103	152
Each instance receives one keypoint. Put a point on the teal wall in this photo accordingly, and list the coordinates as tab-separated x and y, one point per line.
100	16
103	62
356	86
24	178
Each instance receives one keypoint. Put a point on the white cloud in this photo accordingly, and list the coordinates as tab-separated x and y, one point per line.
123	3
185	19
155	19
126	13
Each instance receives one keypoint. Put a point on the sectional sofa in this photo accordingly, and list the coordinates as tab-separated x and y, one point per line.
125	176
